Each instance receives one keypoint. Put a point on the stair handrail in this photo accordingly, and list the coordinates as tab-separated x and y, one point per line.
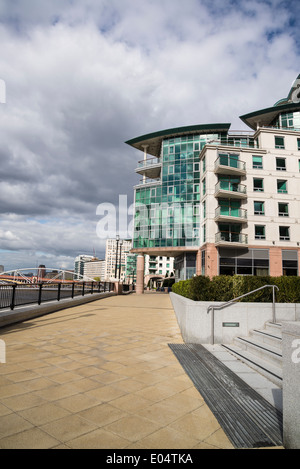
228	303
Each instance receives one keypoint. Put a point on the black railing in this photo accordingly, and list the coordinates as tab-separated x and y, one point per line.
18	294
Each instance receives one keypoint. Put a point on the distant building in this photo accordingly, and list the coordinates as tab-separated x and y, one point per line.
79	265
1	269
95	268
116	249
41	271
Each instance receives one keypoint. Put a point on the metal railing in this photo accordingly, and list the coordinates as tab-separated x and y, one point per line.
230	237
230	187
227	160
230	212
148	163
212	308
17	294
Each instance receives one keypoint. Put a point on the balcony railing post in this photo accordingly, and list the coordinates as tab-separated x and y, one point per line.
58	291
73	286
40	293
13	297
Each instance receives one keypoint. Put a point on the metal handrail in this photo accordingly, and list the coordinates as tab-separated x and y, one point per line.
228	303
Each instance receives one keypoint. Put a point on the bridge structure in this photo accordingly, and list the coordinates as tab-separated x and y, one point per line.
34	275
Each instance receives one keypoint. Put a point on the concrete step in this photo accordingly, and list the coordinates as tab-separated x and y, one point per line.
270	371
262	351
268	353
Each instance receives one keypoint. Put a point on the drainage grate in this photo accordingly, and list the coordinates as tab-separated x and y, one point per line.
247	418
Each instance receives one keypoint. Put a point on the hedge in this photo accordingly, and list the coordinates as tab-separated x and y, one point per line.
227	287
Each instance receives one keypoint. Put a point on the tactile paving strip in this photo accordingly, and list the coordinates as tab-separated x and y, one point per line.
247	418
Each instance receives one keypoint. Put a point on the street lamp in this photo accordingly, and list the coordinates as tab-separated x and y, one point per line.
120	264
116	262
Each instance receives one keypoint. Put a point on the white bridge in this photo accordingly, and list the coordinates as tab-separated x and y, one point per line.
38	274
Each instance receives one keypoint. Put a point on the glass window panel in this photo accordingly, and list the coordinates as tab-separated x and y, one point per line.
280	164
283	209
282	187
257	162
258	185
279	142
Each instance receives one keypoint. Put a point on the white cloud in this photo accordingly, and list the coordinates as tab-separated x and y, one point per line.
83	77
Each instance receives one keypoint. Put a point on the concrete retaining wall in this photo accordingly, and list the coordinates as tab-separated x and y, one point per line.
235	320
25	313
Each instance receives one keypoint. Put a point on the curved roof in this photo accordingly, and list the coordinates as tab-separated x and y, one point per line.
264	117
154	140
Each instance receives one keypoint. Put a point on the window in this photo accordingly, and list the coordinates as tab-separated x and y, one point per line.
279	142
259	208
280	164
204	186
298	144
196	210
260	232
171	190
289	262
203	262
257	162
253	262
258	185
283	209
204	209
196	167
171	169
284	233
281	187
204	164
196	188
204	233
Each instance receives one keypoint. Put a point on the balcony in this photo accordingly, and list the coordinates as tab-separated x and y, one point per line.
150	168
147	182
226	214
230	190
226	164
225	238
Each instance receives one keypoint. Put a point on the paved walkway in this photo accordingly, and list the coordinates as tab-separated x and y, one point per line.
101	375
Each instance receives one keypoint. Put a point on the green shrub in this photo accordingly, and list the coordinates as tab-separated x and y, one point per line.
182	288
225	288
200	288
221	288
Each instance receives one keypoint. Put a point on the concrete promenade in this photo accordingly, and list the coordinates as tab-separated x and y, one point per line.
101	375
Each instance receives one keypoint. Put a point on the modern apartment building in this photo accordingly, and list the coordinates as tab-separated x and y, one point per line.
222	201
79	265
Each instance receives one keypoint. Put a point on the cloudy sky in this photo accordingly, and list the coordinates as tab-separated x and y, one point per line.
84	76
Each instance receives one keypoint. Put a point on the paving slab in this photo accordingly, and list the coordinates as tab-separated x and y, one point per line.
101	375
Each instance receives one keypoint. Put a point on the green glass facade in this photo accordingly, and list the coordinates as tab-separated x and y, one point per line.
167	213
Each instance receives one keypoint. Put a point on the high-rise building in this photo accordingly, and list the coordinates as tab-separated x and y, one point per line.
221	201
79	266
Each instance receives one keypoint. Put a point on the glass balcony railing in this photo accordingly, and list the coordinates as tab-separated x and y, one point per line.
231	212
229	237
230	162
231	187
148	163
